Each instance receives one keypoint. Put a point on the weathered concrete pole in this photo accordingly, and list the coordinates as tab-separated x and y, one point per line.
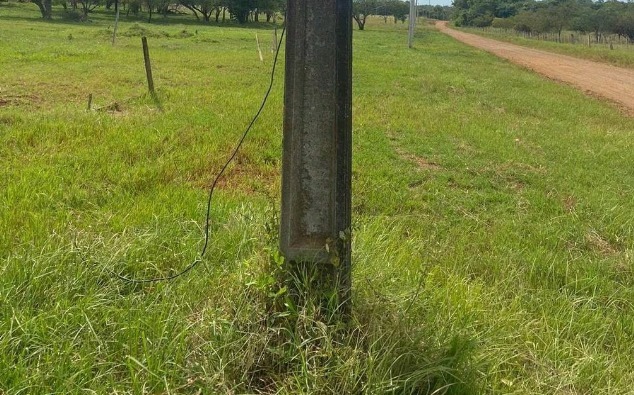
317	152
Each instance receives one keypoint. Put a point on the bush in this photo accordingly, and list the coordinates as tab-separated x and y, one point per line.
73	16
503	23
137	30
522	28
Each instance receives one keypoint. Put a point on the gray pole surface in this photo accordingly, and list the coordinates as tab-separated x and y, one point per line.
317	148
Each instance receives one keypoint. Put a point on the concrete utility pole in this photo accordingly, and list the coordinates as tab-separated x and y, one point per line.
412	22
317	152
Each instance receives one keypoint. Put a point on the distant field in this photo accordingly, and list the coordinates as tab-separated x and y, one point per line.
493	220
621	54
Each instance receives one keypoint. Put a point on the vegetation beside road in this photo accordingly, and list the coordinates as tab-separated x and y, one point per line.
493	238
602	31
620	55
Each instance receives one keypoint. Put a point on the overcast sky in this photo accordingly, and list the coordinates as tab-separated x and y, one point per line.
434	2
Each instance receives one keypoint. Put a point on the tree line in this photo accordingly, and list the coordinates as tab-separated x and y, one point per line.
241	11
550	16
397	10
205	10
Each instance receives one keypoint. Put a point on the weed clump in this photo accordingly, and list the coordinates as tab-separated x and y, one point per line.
137	30
184	34
310	344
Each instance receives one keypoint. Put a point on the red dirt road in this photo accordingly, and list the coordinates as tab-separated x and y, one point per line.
597	79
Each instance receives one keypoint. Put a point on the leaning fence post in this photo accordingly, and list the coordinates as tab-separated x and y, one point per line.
148	66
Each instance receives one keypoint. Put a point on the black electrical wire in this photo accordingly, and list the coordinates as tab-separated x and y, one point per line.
213	185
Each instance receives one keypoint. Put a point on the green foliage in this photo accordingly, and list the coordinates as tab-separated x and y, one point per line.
397	9
478	13
625	25
611	17
619	53
503	23
361	9
240	10
72	15
442	13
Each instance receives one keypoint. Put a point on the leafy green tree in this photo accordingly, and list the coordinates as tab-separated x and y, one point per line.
271	7
240	9
558	14
504	23
400	11
478	13
624	25
443	13
361	9
530	21
482	12
597	18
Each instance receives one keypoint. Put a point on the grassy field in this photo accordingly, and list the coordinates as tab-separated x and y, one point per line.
493	239
621	55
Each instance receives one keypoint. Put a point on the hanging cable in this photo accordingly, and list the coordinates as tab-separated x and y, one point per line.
213	185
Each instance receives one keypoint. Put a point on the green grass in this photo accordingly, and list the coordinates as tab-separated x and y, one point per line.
620	55
493	227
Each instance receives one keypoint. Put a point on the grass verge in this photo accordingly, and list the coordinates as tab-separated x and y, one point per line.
620	55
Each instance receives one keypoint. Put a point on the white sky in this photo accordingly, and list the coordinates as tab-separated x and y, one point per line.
434	2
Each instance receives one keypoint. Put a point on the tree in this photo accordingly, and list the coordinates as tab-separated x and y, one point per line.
479	13
597	18
46	8
556	16
87	6
625	22
270	7
240	9
361	9
400	11
205	7
503	23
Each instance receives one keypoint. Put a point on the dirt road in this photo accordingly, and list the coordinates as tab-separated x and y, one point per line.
597	79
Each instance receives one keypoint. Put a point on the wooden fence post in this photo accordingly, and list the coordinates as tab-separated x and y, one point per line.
148	66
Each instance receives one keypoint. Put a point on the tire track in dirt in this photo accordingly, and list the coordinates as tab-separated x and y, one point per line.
596	79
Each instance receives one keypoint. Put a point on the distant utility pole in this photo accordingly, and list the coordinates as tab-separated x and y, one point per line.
412	21
317	148
116	21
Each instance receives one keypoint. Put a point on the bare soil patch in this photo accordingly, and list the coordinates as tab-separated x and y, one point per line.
421	163
18	100
593	78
